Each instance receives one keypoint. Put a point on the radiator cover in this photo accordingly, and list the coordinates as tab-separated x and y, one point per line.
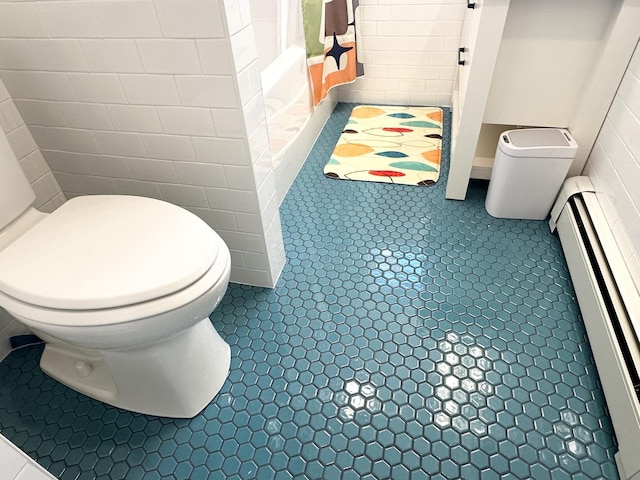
610	306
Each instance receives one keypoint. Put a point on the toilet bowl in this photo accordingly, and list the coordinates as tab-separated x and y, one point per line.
120	289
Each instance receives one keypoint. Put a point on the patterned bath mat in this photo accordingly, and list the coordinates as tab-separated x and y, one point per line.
390	145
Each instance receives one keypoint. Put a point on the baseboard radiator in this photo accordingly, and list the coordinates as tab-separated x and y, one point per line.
610	306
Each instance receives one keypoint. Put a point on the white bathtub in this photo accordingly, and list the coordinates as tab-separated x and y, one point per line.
291	120
287	99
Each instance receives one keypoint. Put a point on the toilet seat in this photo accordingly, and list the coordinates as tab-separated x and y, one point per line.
33	315
75	259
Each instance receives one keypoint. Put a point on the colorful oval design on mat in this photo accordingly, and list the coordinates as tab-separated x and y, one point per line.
401	115
417	166
386	173
437	116
352	150
420	123
397	129
432	155
366	112
379	132
392	154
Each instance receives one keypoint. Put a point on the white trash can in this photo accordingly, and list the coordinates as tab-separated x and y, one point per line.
530	166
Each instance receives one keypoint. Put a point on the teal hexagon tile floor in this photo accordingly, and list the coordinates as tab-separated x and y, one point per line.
409	337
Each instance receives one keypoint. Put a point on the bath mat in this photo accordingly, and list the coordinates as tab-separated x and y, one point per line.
390	145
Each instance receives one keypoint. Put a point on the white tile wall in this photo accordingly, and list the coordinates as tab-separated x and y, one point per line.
215	57
126	18
614	166
143	97
16	465
191	18
111	55
28	154
65	20
169	56
254	125
409	50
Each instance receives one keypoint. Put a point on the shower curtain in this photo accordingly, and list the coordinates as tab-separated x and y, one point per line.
330	36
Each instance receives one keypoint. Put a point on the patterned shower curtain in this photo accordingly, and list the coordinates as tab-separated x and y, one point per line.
330	36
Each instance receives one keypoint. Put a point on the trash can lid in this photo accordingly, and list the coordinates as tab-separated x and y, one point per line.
538	142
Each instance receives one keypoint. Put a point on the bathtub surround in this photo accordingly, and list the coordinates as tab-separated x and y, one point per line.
289	161
409	49
292	122
154	98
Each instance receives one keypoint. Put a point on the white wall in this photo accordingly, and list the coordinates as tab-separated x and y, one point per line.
48	193
154	98
614	166
409	51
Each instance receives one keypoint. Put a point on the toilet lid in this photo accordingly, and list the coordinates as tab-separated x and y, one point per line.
97	252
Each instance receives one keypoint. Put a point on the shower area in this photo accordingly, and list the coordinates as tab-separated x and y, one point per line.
292	122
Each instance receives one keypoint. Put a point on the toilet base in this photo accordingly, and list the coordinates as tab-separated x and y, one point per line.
176	378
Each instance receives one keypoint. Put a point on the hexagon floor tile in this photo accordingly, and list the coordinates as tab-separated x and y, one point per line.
409	337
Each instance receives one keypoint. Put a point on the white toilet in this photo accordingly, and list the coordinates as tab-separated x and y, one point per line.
120	288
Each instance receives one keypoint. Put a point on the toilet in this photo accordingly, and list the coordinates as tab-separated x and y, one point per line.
120	289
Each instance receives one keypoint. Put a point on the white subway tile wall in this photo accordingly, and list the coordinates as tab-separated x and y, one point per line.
409	49
254	124
146	97
614	166
48	193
